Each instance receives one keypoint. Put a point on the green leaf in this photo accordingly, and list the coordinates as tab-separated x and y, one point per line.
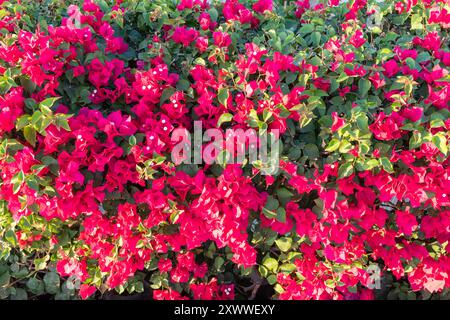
253	119
222	96
40	264
272	279
272	203
291	77
6	82
284	244
271	264
47	104
345	170
266	115
364	87
32	183
11	237
437	123
387	165
362	122
311	151
183	85
37	115
288	267
223	157
423	56
47	160
281	215
342	77
139	287
19	294
330	283
284	193
20	176
315	38
132	140
30	135
416	140
271	214
218	263
4	279
294	153
345	146
22	122
213	14
384	54
412	64
44	124
333	145
16	187
35	286
440	141
366	164
224	117
416	22
262	127
103	5
52	282
306	28
166	94
263	271
62	123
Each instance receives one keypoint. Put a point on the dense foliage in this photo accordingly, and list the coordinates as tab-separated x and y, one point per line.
91	201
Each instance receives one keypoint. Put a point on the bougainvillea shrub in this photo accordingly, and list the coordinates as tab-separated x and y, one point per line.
92	204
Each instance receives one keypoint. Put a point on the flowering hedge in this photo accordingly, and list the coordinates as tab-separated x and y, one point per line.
90	199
